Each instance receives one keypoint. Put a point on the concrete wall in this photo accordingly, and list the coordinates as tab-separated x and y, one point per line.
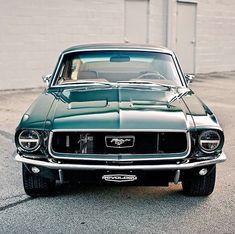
34	32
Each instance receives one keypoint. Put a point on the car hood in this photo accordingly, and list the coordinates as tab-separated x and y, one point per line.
120	108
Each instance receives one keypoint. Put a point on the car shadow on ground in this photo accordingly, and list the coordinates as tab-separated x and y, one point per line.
124	193
121	201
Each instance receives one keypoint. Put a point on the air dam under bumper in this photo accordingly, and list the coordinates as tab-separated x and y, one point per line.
63	166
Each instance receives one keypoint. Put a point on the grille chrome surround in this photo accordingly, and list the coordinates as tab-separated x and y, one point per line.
121	156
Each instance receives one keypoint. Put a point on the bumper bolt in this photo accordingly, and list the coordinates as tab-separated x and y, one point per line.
35	170
203	171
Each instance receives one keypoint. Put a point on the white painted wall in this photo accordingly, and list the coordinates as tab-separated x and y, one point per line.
33	33
215	36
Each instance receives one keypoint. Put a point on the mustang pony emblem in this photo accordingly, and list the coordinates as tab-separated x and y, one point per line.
119	141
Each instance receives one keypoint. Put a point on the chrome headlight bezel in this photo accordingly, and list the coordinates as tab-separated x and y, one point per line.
217	141
34	137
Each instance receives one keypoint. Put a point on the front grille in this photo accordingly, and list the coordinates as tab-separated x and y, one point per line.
96	143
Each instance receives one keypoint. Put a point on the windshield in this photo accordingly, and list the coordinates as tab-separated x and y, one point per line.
117	66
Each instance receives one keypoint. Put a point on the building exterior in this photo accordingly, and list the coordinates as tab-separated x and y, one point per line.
33	33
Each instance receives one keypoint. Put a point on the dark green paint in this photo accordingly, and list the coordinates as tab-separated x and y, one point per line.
118	107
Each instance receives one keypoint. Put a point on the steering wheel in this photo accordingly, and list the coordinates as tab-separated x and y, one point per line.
151	76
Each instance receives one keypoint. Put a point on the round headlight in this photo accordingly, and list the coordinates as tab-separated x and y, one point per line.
29	140
209	141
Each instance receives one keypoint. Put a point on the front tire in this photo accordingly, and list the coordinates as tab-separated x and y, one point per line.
199	185
35	185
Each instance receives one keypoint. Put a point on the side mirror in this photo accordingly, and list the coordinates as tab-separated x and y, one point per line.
189	78
46	79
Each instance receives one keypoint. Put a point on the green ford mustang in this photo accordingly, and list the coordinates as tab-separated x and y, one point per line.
119	114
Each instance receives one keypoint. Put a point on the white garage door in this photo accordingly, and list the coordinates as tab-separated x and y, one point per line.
186	35
136	21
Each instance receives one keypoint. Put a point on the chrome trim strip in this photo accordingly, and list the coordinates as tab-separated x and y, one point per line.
144	49
118	130
51	85
182	166
28	140
154	157
210	141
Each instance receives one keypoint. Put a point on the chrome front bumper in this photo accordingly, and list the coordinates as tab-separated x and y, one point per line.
63	166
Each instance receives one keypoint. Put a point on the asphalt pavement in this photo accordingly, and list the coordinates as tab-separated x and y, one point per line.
110	209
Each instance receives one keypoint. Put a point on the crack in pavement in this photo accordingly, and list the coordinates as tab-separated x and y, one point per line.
7	135
14	196
32	89
16	202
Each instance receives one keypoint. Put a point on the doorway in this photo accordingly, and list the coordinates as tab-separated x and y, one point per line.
186	35
136	21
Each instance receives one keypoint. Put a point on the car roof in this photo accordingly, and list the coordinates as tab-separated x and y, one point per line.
115	46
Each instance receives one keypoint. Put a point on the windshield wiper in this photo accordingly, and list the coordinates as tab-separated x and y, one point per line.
90	83
147	83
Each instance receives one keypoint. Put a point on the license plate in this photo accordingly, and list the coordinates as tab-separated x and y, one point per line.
119	178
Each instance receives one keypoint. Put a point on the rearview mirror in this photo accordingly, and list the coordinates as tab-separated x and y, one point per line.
189	78
46	79
120	58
